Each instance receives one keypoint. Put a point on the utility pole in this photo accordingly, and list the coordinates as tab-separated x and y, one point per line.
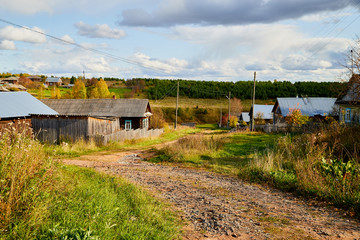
253	105
220	114
352	61
177	104
228	122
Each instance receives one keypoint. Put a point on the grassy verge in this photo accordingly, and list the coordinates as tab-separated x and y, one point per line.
43	200
82	147
87	203
219	151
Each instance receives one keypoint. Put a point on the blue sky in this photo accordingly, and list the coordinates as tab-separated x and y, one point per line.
219	40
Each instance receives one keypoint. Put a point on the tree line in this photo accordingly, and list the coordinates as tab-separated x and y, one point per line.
157	89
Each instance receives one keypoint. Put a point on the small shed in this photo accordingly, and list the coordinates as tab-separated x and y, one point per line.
349	102
52	81
55	129
263	112
313	107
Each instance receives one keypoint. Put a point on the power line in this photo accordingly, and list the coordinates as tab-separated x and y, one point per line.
86	48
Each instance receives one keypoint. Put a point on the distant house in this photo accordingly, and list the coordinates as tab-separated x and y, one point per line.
15	87
244	116
51	81
13	80
35	78
313	107
349	102
262	112
16	106
105	119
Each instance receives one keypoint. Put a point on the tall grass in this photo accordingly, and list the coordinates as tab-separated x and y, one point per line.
25	175
40	199
324	165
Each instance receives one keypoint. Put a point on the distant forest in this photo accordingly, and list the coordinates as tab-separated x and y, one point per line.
157	89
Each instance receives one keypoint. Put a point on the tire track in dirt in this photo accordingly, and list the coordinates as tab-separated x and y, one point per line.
221	207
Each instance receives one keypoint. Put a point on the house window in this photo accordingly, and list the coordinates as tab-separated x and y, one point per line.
127	124
145	123
348	115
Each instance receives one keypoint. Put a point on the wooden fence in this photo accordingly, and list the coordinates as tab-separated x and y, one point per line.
128	134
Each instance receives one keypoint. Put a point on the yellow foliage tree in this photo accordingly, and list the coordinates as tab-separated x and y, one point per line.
55	93
79	90
233	121
102	89
296	117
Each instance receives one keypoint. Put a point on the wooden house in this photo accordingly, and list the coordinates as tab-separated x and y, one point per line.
13	80
132	113
262	112
53	81
35	78
104	119
349	102
313	107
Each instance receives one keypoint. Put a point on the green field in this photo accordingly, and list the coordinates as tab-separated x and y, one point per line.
185	102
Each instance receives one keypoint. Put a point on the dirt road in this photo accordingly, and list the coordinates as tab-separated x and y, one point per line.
220	207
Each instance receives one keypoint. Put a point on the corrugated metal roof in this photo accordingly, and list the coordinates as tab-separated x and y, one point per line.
21	104
245	116
99	107
266	110
308	106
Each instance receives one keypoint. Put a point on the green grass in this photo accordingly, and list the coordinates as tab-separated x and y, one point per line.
82	148
47	92
120	91
89	205
185	102
231	151
40	199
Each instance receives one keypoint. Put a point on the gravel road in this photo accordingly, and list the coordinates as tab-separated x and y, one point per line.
214	206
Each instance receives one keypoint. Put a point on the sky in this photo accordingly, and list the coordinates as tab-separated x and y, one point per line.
212	40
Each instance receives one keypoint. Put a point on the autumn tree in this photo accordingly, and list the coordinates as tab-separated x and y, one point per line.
236	106
296	117
233	121
102	89
79	90
55	93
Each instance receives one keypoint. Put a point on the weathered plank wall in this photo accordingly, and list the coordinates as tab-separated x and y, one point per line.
56	129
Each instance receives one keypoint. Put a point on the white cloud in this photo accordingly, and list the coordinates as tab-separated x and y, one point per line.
170	66
67	38
7	45
99	31
20	34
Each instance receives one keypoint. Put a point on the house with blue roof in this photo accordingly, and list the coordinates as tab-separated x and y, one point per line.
313	107
262	112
